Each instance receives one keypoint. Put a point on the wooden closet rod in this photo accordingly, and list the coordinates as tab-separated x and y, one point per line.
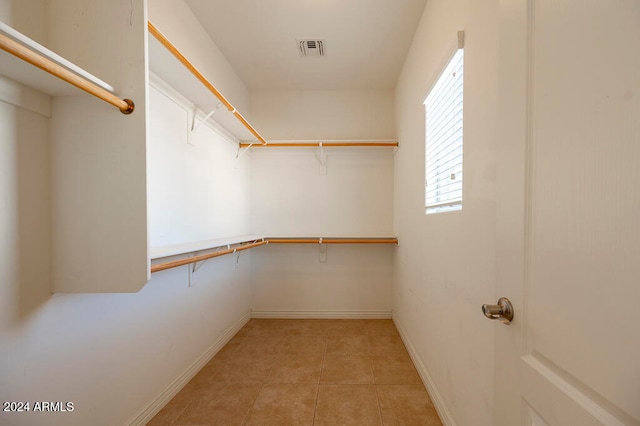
184	61
332	240
188	260
126	106
316	144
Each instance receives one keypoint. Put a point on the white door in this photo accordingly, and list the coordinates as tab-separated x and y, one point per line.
568	224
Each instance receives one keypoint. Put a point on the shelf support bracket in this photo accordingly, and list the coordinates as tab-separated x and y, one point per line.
323	251
241	151
321	156
195	125
191	281
197	265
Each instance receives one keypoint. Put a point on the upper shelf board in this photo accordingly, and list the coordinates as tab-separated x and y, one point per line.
23	72
176	249
168	68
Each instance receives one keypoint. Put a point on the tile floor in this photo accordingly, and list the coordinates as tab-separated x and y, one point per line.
306	372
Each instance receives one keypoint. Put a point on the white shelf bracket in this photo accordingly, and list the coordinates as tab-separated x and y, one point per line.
321	156
195	125
198	265
241	151
192	269
191	117
323	251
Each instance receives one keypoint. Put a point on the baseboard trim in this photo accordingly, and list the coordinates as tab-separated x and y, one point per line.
350	314
434	394
174	387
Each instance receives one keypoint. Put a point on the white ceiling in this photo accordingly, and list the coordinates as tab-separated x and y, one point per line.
366	40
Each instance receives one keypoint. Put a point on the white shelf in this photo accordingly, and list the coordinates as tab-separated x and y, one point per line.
170	70
329	236
334	239
29	75
176	249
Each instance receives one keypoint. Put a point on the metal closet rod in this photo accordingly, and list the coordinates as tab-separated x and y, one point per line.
317	240
188	65
126	106
174	264
318	143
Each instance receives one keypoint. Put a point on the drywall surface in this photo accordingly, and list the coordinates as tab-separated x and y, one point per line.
108	354
25	203
290	281
348	194
113	355
178	23
444	268
291	194
26	16
198	190
322	193
324	115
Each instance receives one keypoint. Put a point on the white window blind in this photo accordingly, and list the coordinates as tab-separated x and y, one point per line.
443	109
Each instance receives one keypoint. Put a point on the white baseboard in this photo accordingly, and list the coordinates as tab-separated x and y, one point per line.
174	387
382	314
434	394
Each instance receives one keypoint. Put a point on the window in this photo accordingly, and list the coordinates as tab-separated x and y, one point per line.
443	138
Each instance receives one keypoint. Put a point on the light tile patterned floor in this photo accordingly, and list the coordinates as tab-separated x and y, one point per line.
306	372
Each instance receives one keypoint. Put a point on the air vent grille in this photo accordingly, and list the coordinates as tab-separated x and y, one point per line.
311	47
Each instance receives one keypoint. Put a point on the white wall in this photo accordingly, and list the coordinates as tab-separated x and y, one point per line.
197	188
444	269
26	16
112	355
290	197
290	281
324	115
178	23
25	201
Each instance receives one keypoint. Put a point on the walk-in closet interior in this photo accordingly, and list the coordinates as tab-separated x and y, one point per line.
163	191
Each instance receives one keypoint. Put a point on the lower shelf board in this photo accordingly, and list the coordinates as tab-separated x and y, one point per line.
186	261
332	240
247	242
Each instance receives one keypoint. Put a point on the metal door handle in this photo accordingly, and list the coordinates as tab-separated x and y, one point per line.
503	311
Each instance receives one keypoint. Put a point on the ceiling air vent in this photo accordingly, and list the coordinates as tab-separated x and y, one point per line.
310	47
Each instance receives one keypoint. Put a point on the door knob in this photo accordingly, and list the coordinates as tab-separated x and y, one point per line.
503	311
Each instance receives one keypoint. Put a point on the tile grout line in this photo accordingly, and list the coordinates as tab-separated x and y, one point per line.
173	422
288	336
324	353
379	408
187	406
246	414
266	379
375	381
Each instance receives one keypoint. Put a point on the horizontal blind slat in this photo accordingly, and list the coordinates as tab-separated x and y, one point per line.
444	138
